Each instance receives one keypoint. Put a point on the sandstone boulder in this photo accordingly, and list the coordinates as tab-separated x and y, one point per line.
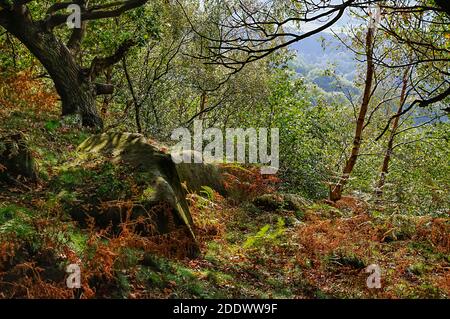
125	178
197	175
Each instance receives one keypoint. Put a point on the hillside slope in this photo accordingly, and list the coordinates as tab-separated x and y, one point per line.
255	243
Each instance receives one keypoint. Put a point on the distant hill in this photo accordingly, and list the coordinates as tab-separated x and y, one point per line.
322	52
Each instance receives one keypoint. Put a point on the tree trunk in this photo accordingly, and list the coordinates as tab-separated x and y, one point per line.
137	105
390	146
108	98
203	99
336	191
75	88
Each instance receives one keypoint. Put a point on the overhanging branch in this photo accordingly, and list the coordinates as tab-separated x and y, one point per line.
100	64
104	89
420	103
94	13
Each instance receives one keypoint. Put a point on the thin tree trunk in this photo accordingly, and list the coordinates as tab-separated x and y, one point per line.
203	99
390	145
137	106
336	191
107	99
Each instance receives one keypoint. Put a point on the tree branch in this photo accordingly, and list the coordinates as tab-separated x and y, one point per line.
104	89
421	103
100	64
92	14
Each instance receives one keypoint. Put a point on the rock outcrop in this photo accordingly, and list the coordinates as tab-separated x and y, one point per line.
154	192
16	159
197	175
277	201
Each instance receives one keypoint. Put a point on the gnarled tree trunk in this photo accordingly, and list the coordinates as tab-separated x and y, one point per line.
75	88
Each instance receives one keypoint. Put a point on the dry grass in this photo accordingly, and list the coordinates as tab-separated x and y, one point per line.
26	87
334	249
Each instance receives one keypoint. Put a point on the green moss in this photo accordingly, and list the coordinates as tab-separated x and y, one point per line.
345	258
78	241
52	125
148	276
16	220
213	250
197	289
419	268
326	211
143	178
266	235
148	194
424	290
130	257
397	227
123	283
299	214
72	178
185	273
218	278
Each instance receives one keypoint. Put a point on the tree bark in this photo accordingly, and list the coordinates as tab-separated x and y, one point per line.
336	191
107	99
390	145
203	98
75	88
137	106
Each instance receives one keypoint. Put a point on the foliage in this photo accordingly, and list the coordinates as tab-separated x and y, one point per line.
255	242
246	183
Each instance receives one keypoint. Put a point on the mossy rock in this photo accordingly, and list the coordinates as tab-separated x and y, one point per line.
197	175
160	197
274	202
16	158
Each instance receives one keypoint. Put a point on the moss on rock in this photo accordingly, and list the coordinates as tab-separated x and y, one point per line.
154	191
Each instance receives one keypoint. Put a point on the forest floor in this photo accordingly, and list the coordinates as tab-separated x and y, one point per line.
319	251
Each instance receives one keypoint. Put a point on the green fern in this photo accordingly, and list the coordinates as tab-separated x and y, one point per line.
207	192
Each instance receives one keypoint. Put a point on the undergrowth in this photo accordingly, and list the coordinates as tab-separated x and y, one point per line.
247	251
